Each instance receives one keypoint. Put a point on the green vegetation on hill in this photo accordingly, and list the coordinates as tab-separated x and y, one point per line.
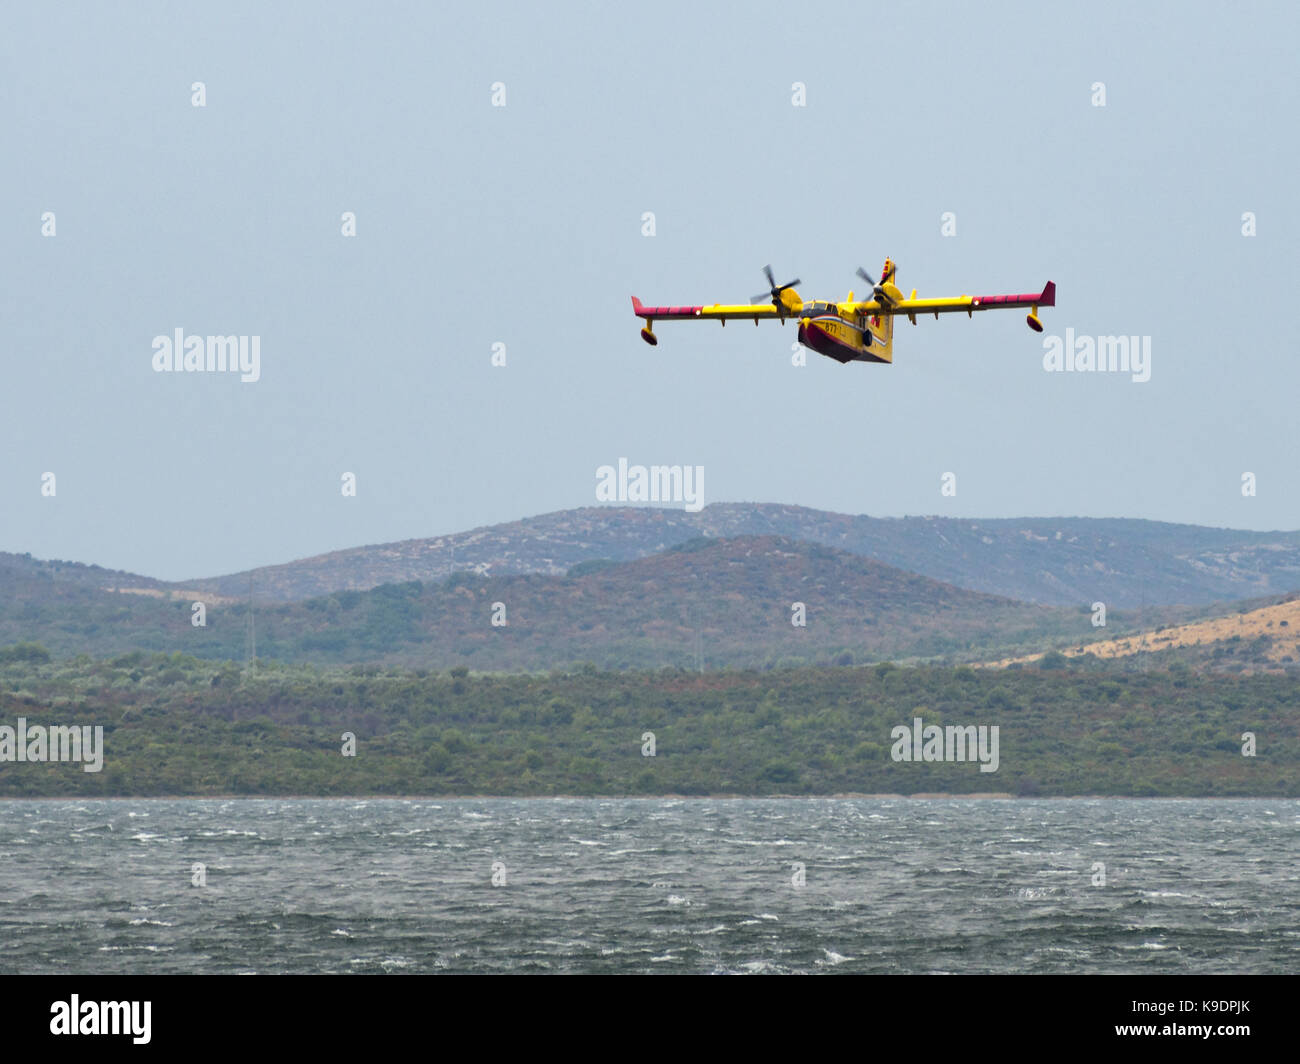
730	601
176	725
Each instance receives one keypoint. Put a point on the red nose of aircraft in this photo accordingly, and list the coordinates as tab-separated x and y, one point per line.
814	337
817	338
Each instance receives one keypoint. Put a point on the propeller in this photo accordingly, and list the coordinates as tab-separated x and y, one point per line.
876	289
774	292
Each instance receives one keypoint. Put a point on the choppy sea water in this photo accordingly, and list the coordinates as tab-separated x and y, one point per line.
650	885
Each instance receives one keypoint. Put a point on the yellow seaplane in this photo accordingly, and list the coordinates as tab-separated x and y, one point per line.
851	331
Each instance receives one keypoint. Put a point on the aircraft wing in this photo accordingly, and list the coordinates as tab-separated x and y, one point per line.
711	312
953	304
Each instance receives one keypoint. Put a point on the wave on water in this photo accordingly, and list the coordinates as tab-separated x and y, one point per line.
640	885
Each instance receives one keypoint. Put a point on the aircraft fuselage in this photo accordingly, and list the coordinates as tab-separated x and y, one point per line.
843	338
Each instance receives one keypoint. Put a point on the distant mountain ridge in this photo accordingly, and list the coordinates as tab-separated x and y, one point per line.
1067	561
1054	561
742	602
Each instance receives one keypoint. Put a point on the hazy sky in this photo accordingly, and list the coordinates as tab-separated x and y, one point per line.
522	225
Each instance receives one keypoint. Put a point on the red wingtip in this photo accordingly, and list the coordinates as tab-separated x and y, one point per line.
636	305
1048	298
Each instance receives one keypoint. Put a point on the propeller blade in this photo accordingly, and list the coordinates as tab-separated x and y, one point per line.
866	277
774	294
762	297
